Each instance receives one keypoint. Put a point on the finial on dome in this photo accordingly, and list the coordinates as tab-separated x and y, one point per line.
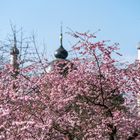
61	36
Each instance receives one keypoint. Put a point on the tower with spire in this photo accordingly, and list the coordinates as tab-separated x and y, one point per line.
14	58
60	61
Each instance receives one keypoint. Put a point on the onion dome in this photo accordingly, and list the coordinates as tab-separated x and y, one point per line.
14	51
61	53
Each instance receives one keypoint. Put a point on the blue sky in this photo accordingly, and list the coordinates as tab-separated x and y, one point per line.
119	21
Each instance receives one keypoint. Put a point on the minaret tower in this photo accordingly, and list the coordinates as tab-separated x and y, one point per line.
14	58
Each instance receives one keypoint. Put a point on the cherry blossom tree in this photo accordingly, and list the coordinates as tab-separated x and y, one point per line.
91	102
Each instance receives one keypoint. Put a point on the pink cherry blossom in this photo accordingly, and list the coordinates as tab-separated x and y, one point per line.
94	101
